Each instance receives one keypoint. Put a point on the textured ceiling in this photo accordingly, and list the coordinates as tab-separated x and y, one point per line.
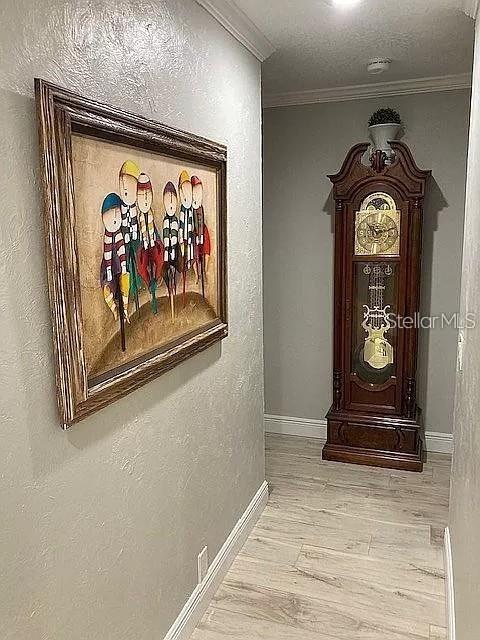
319	46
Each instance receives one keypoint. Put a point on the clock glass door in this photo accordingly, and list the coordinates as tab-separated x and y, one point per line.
374	313
375	276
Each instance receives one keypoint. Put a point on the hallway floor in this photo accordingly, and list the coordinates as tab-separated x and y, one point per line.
340	552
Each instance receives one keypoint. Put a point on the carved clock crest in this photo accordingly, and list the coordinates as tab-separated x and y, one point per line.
374	418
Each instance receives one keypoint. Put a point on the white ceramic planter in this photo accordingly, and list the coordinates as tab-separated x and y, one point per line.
381	134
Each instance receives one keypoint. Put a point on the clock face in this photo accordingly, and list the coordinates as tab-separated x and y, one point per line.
377	227
377	233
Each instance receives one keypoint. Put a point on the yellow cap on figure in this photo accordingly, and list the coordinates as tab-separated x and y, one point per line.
184	177
129	168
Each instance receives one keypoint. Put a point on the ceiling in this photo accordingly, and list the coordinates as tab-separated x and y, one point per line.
319	46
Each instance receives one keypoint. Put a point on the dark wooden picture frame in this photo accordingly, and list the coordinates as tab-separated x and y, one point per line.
61	114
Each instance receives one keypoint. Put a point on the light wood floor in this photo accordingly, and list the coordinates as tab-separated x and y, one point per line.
341	552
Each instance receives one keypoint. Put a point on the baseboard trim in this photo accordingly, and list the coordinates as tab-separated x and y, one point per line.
198	602
439	442
311	428
450	594
288	426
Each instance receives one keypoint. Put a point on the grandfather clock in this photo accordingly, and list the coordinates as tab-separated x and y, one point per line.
374	418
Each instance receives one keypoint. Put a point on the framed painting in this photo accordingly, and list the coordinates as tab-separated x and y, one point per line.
135	217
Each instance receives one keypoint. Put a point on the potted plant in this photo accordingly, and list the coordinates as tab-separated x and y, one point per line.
383	126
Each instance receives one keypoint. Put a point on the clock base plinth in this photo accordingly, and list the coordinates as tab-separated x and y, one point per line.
377	441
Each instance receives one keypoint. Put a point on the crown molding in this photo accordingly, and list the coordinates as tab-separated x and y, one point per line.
471	8
232	18
363	91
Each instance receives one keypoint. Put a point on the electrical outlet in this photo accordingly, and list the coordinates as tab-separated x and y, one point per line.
202	564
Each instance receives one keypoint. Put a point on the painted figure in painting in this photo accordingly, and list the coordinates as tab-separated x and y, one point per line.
170	242
128	179
150	252
202	236
114	275
186	233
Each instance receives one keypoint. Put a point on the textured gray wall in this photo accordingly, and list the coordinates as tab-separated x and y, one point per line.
465	484
101	526
301	145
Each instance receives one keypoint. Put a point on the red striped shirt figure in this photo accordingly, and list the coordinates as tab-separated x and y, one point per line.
114	276
202	246
150	252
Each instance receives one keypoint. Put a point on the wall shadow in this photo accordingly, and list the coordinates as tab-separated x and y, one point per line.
141	402
329	209
434	204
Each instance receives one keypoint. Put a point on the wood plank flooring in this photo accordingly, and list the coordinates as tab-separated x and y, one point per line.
341	552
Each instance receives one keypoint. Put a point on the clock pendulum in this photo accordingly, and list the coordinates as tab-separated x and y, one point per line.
377	351
374	418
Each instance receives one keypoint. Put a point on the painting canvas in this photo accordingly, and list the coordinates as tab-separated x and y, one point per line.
146	237
135	215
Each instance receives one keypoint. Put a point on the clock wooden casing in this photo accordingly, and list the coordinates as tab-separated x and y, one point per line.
374	418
